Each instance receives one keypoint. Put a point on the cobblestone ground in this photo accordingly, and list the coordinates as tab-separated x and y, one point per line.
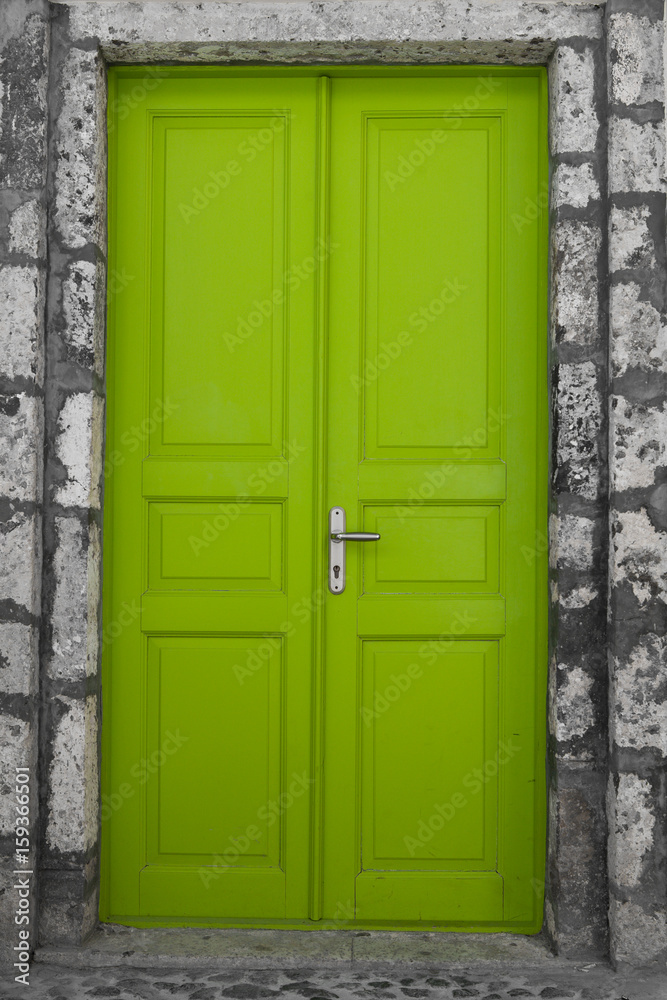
54	982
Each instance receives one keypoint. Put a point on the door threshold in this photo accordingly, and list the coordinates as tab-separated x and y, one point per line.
254	948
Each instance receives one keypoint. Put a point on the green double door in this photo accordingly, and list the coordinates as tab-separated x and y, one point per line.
327	290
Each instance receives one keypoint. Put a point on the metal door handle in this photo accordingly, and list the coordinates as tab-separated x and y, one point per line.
355	536
337	538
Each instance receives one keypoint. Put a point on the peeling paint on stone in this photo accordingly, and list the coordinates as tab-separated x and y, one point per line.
631	243
638	333
575	185
634	823
640	443
576	712
639	696
640	557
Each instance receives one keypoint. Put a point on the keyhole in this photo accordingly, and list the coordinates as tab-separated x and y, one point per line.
336	571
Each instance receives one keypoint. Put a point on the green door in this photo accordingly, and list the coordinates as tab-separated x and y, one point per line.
328	291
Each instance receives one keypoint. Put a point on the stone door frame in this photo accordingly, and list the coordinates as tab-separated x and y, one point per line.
608	363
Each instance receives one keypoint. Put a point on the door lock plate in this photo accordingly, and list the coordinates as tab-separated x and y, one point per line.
336	551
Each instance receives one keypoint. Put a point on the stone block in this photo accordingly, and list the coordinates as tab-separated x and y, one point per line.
636	59
636	156
21	431
574	122
575	251
21	322
639	443
19	646
575	185
631	244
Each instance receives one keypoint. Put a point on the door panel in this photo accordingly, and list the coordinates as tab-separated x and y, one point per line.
210	518
434	403
333	295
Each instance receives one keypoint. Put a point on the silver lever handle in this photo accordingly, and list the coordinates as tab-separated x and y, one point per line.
337	538
354	536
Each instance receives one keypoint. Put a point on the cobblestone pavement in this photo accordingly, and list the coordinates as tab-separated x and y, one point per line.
53	982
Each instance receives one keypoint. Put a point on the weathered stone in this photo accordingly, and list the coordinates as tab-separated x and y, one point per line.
15	751
574	122
79	164
637	67
21	322
19	648
74	614
176	34
575	185
21	430
639	555
576	711
637	937
79	427
638	697
25	42
632	832
576	246
577	597
73	787
572	542
631	244
20	559
83	305
636	155
639	434
639	337
27	229
580	410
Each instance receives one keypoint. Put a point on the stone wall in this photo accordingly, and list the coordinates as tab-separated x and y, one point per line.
638	462
608	714
24	34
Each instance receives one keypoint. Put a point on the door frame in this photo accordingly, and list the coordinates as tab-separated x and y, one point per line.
324	75
82	69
